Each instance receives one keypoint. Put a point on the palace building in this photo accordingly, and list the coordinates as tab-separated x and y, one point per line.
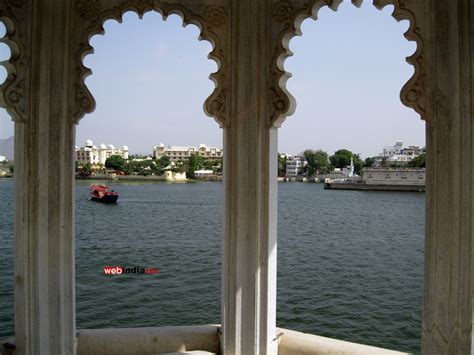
176	153
93	155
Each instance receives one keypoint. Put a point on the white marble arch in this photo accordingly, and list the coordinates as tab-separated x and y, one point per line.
45	95
441	91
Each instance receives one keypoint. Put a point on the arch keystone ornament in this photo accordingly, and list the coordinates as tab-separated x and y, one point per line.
287	19
212	20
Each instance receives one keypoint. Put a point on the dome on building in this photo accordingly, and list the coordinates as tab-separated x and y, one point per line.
94	147
162	145
89	143
110	146
124	147
103	146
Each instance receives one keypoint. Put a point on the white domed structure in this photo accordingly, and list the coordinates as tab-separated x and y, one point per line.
162	145
102	146
124	147
110	146
89	143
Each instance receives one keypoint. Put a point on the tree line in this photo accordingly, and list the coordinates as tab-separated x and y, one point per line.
319	162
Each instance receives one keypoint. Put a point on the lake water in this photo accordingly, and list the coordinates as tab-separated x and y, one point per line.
350	263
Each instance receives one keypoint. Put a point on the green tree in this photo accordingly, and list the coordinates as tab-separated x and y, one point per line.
369	162
358	164
217	166
418	162
115	162
311	161
195	162
322	162
342	158
317	162
86	169
282	165
11	167
164	161
208	164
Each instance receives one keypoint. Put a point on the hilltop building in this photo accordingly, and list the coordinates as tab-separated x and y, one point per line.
93	155
397	148
397	154
184	152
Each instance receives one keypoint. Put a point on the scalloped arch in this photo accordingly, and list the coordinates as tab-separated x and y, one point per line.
211	21
12	90
413	93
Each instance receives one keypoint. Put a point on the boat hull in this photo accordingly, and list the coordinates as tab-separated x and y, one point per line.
105	199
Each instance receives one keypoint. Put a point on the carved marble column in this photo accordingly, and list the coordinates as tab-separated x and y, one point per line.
250	148
37	95
449	262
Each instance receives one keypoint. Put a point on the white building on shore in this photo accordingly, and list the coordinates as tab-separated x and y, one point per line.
93	155
203	173
295	166
171	174
176	153
2	158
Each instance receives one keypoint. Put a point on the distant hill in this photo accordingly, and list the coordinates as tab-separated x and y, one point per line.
6	147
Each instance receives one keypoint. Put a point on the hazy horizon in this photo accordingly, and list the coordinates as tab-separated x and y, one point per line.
150	80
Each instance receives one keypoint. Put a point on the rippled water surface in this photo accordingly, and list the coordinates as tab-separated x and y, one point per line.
349	262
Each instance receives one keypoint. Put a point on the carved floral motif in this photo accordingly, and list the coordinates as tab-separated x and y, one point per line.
215	15
15	93
278	101
282	11
217	104
83	100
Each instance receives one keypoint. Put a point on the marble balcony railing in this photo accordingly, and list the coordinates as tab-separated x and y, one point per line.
202	339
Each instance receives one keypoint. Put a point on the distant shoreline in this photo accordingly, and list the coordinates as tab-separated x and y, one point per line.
125	178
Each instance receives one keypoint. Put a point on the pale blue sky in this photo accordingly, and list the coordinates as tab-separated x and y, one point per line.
150	79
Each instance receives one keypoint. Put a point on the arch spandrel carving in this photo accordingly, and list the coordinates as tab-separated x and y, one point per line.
287	18
14	94
211	18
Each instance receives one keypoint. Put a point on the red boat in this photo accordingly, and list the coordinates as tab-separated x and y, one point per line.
101	193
